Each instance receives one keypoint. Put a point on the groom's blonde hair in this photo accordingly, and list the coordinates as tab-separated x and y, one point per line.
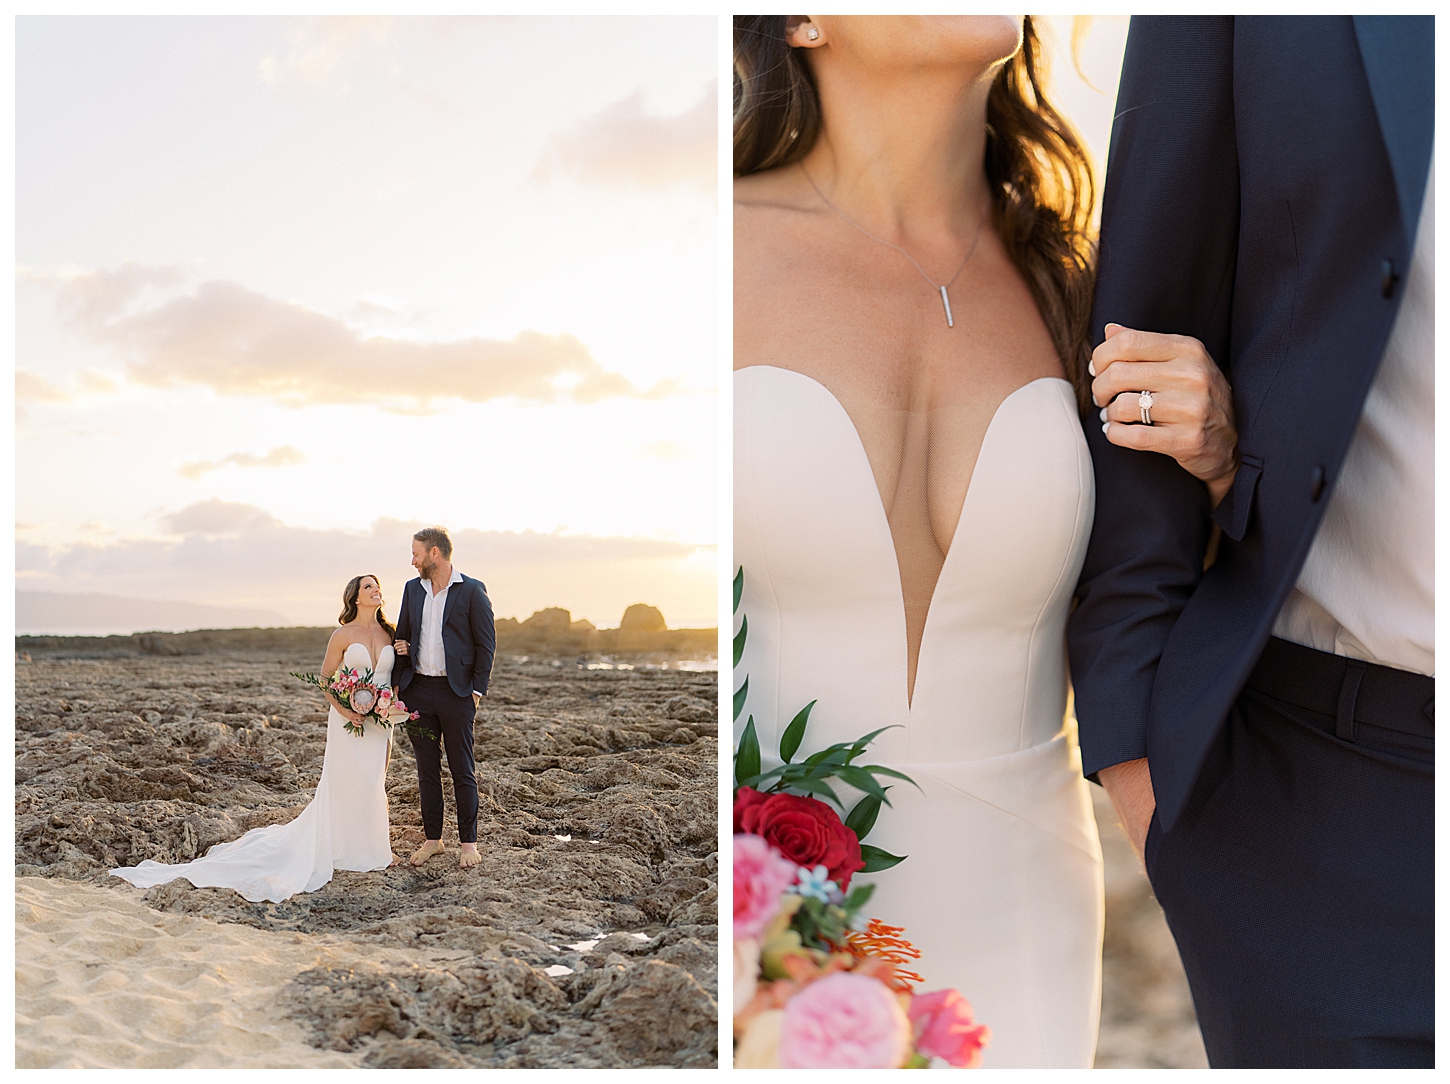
436	536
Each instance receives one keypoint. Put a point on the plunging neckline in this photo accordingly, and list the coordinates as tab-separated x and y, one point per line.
913	673
372	663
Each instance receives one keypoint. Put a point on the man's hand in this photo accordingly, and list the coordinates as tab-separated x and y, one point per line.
1130	787
476	698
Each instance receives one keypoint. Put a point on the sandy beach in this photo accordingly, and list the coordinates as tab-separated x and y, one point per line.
586	938
103	981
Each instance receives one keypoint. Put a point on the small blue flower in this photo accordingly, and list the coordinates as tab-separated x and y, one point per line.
814	884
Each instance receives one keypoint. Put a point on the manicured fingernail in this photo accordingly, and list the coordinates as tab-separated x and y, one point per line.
1092	369
1105	426
1103	414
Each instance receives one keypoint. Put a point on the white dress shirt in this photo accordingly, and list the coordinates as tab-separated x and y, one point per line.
430	661
1367	589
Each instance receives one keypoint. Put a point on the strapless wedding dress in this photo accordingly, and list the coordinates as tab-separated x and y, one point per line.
1003	887
344	827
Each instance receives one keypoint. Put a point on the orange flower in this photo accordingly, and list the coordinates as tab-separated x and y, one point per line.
883	943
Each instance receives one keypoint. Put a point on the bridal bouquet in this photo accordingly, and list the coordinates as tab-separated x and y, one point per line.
357	690
817	984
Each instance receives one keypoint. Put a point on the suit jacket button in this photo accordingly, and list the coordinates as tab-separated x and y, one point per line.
1316	484
1388	279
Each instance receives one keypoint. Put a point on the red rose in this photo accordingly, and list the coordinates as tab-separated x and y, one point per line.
804	830
746	799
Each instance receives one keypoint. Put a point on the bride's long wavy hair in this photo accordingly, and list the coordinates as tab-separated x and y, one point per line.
1038	169
349	603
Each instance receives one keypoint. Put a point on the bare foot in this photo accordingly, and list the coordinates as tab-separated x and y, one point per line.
427	851
469	856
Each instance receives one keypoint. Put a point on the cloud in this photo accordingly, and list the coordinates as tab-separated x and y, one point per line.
283	456
34	388
217	517
623	146
224	553
317	45
234	341
91	298
664	449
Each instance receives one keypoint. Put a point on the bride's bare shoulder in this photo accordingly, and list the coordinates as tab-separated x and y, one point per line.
342	638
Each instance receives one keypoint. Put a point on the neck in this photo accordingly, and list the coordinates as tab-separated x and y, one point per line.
366	615
902	153
441	575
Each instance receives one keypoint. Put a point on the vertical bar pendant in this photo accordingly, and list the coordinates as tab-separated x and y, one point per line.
946	304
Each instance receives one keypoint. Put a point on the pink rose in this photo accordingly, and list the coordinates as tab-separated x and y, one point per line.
943	1026
844	1021
761	875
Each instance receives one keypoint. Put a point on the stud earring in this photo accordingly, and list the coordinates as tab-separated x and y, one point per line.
812	34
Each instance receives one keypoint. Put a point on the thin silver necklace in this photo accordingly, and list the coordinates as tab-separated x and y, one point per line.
946	303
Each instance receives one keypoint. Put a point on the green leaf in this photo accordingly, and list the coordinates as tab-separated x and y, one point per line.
739	586
861	742
821	788
790	741
863	816
793	772
756	780
877	859
740	639
747	757
831	754
857	897
740	695
876	769
862	781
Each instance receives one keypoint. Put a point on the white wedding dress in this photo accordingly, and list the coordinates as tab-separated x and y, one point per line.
344	827
1002	890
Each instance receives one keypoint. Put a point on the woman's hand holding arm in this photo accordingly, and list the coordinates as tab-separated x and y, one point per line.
1193	416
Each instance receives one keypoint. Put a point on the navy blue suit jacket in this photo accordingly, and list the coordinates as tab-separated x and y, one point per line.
468	640
1264	186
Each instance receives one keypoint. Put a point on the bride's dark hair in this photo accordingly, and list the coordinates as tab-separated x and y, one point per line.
349	603
1038	170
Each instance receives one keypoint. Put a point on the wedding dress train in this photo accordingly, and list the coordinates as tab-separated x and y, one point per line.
344	827
1002	889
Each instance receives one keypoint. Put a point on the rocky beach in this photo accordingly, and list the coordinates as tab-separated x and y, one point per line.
586	938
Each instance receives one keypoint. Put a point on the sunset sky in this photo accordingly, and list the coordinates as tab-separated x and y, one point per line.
289	288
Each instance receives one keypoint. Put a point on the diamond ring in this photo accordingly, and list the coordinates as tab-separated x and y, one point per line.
1145	406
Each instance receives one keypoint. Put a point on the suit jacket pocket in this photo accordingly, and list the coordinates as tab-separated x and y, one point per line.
467	660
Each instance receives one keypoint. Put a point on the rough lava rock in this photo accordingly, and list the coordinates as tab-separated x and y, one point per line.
587	937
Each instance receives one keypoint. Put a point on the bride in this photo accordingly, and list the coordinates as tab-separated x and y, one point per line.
346	824
913	490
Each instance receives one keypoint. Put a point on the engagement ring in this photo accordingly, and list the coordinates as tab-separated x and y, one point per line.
1145	406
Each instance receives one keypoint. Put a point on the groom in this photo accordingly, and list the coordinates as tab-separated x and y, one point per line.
444	651
1262	716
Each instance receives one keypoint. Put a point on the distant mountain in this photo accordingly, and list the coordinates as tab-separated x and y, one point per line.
41	613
